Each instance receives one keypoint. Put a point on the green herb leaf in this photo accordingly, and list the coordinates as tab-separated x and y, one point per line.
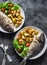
16	6
13	8
0	6
6	12
15	44
15	41
25	51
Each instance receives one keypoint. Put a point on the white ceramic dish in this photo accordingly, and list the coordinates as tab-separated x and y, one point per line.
44	48
16	29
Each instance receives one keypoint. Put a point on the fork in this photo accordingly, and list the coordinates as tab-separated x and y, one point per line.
4	48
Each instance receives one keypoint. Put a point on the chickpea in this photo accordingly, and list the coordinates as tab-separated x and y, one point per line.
14	13
19	36
30	39
20	17
27	39
36	32
17	14
10	16
22	32
32	30
23	37
29	30
14	20
25	30
33	34
18	11
20	41
19	22
26	34
17	19
16	25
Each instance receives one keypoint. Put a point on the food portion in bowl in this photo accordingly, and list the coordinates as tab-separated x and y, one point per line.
24	39
13	13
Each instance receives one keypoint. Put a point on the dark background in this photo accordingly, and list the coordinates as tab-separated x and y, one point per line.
36	15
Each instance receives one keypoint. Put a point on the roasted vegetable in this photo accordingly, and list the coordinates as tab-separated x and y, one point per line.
3	9
28	44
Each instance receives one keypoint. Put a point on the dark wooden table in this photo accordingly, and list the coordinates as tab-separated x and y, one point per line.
36	15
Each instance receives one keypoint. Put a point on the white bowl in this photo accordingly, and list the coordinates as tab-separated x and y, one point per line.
16	29
44	48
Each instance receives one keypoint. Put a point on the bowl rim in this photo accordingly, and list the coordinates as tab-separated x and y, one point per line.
2	30
42	51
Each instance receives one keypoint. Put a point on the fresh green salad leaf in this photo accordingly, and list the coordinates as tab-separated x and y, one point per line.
23	43
4	4
16	45
16	6
6	12
7	8
15	42
21	46
25	51
13	8
26	48
23	54
0	6
7	2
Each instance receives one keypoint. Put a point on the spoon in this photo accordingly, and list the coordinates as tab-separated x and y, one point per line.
35	45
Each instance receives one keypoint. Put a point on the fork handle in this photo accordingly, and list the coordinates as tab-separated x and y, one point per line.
4	60
9	58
